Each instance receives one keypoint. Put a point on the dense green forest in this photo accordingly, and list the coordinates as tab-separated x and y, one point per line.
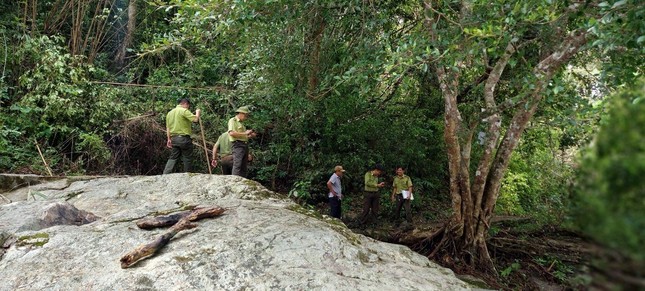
527	108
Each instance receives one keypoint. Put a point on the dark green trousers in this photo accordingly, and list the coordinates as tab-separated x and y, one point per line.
370	207
182	147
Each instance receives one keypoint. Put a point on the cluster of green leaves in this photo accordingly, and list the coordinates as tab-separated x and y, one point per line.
561	270
53	103
255	51
538	180
609	196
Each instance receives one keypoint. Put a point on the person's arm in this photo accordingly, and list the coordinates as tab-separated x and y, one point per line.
393	191
198	114
214	159
236	134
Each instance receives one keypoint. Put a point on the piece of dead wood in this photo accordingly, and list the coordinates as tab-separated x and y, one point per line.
179	222
147	250
195	214
49	170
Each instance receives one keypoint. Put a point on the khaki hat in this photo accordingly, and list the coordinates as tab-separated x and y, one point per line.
243	109
339	168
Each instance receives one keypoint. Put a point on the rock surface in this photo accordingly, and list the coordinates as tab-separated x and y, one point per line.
262	242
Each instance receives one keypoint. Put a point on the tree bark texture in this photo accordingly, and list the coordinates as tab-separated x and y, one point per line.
473	202
129	32
313	44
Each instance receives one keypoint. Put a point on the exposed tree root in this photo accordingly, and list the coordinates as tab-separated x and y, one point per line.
444	247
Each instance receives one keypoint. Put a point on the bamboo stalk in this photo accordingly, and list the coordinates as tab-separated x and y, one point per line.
208	162
43	158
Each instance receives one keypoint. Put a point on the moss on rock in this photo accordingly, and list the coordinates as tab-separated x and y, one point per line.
37	239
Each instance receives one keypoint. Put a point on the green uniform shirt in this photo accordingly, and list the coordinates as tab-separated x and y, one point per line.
223	145
371	182
401	183
179	121
236	125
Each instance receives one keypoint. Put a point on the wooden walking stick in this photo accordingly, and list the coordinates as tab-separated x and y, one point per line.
208	162
42	157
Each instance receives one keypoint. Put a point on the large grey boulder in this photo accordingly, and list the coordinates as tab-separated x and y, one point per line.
262	242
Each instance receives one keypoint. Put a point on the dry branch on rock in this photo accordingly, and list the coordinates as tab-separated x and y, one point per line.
195	214
179	221
147	250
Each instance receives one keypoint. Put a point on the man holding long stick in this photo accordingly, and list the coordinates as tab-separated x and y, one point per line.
178	131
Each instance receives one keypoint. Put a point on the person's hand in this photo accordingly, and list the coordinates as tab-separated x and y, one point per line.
248	132
393	198
169	144
198	111
382	184
214	162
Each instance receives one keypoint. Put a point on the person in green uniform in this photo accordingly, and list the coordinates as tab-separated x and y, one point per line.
400	184
178	131
239	137
222	151
371	195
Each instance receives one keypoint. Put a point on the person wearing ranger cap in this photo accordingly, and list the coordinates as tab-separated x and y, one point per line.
371	195
239	137
178	131
335	191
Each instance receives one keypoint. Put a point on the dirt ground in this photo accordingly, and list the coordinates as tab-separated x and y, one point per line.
526	256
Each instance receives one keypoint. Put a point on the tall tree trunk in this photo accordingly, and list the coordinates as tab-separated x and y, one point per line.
127	39
313	45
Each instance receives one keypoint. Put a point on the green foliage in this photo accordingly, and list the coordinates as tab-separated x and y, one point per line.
559	269
300	190
93	149
609	196
537	181
509	196
54	102
329	82
515	266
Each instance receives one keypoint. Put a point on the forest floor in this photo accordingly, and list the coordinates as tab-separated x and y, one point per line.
527	256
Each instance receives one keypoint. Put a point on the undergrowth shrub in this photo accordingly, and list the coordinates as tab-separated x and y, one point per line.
608	199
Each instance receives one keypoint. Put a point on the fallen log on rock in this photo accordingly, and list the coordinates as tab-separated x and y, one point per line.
147	250
195	214
179	221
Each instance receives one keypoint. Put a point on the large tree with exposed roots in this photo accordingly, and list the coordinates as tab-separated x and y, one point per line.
519	46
